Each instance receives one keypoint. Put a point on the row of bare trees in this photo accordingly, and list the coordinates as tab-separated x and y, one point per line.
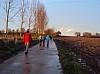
31	14
12	31
48	31
41	19
87	34
8	7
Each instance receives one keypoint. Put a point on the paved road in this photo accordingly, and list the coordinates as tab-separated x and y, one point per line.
38	61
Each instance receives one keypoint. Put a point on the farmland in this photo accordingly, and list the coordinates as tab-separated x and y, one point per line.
85	50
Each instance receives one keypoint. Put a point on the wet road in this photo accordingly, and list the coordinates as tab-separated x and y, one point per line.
38	61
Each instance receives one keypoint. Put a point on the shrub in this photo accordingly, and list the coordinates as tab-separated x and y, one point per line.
9	50
5	54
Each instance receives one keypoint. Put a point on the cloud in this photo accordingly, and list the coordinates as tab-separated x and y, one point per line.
61	29
69	30
87	31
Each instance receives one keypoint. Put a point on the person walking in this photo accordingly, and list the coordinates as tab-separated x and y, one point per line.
40	40
47	39
27	39
43	40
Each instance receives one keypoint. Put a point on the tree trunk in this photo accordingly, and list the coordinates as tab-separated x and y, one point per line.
6	26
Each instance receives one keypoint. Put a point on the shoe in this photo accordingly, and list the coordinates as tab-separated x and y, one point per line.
26	52
40	45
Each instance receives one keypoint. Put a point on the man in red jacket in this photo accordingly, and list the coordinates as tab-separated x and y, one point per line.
26	39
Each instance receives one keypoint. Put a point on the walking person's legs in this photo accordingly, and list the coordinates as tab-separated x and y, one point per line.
47	43
43	43
40	43
27	45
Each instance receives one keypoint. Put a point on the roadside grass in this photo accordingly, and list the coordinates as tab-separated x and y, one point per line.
12	50
68	63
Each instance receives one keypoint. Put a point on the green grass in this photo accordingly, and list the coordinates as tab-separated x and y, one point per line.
69	65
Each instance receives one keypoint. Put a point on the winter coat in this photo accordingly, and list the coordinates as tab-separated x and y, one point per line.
27	38
47	38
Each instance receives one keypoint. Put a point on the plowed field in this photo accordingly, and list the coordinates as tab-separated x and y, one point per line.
88	49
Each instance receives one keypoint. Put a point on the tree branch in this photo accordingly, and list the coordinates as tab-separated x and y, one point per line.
14	14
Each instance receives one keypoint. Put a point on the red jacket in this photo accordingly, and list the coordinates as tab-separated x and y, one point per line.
27	38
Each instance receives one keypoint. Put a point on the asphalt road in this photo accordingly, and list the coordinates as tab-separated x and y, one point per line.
39	60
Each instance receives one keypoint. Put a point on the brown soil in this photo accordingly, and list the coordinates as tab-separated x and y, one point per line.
86	48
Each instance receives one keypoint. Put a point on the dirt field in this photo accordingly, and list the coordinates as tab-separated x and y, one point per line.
87	49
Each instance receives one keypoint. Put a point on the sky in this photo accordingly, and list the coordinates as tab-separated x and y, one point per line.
70	16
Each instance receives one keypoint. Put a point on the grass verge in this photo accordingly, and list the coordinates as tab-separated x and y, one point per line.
69	65
9	51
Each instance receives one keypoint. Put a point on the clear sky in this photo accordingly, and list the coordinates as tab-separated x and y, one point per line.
70	16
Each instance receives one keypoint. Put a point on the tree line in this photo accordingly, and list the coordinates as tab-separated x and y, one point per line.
31	14
14	33
87	34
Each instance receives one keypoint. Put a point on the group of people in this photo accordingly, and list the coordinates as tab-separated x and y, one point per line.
27	39
42	39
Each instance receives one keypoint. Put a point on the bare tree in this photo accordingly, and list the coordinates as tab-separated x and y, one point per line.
2	31
22	13
97	34
17	31
77	33
30	13
40	18
57	33
23	30
8	6
49	31
87	34
9	31
13	32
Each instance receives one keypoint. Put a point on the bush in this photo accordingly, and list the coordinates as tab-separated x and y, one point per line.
5	54
8	51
